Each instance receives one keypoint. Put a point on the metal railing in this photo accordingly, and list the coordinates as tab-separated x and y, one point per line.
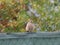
42	38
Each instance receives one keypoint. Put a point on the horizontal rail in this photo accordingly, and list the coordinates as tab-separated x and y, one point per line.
30	35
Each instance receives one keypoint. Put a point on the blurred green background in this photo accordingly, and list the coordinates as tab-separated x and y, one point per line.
14	15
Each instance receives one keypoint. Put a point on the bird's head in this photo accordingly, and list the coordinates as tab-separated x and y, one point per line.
30	20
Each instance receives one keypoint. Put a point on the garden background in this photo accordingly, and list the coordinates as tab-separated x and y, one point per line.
14	14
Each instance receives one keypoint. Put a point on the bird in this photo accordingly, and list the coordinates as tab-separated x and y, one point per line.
30	26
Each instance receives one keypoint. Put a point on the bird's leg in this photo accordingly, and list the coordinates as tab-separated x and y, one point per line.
27	31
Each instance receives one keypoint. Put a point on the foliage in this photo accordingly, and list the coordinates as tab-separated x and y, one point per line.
14	16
